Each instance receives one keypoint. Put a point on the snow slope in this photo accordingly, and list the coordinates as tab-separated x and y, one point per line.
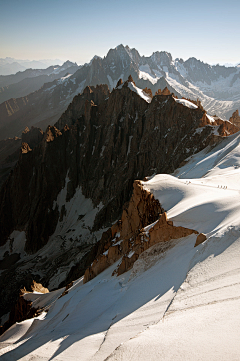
140	92
177	303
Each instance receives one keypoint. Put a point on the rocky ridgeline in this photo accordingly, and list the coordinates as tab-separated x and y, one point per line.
101	144
128	238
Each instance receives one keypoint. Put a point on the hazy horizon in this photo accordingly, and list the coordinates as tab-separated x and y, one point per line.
77	30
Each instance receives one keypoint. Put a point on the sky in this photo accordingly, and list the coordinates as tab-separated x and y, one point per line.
77	30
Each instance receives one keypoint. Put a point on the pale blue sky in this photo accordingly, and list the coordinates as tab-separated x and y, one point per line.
77	30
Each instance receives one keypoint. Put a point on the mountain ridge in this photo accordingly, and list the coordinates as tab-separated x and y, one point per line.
191	79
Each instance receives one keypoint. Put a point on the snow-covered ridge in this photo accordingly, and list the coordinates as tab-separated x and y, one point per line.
140	92
186	103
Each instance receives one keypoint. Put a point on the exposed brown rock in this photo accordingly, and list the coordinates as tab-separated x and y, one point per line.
165	91
120	82
38	287
162	231
148	92
142	210
235	118
32	137
25	148
225	128
51	133
130	79
200	239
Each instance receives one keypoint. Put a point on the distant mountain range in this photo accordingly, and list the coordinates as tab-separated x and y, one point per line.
11	66
218	87
30	80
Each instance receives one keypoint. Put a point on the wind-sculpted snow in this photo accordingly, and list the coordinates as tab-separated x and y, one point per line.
177	303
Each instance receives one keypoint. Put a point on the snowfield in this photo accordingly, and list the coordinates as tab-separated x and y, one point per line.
179	302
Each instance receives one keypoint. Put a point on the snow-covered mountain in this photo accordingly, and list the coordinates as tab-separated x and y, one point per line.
216	86
71	181
180	298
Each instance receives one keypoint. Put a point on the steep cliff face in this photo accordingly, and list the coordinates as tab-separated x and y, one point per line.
235	118
63	192
9	154
142	225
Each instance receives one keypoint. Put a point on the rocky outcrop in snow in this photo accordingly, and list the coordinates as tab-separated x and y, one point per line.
142	225
235	119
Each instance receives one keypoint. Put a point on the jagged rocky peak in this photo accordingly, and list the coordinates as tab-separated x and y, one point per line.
148	92
235	118
78	107
121	58
118	53
130	79
120	82
51	133
199	71
162	58
68	63
134	54
165	91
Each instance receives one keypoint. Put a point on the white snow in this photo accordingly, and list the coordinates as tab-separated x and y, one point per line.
186	103
131	254
211	119
179	302
140	92
63	79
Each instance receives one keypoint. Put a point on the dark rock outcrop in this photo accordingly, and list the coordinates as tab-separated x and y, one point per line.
32	137
23	308
9	154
